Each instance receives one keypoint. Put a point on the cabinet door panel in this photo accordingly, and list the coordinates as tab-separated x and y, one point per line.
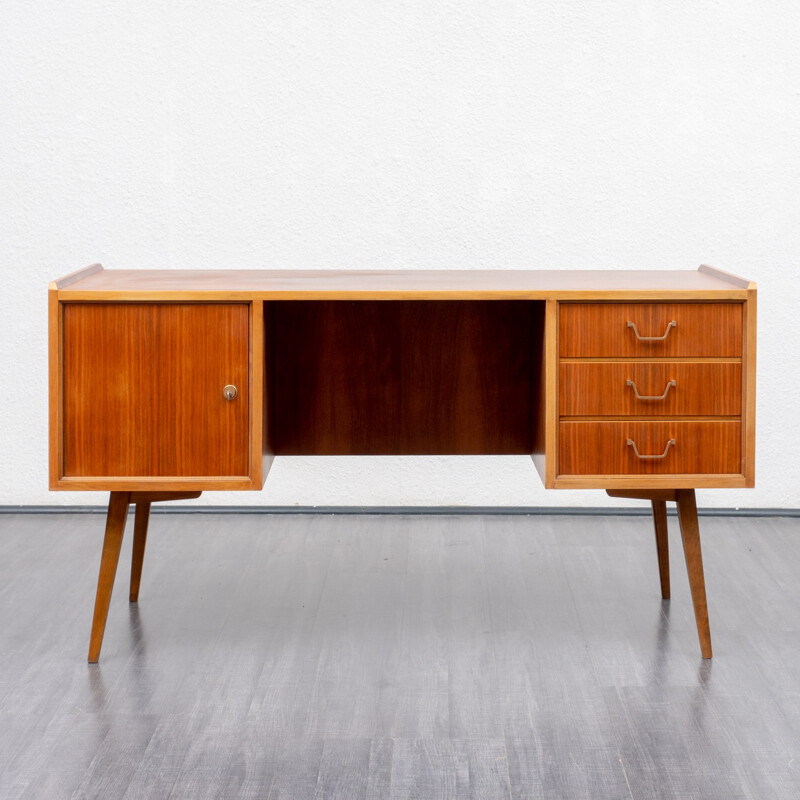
143	389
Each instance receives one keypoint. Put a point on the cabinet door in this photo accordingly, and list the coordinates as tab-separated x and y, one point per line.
143	389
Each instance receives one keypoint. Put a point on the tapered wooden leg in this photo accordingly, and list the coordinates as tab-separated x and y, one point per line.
143	501
662	544
139	541
115	526
658	499
690	533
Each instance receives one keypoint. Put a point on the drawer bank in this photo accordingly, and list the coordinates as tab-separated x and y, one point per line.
165	384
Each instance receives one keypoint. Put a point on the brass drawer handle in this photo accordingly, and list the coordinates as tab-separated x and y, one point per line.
636	452
230	392
650	396
641	338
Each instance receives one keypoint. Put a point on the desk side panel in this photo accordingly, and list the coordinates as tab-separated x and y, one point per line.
55	387
544	382
749	390
262	372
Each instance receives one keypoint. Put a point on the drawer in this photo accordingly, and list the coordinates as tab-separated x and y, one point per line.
698	447
600	388
631	330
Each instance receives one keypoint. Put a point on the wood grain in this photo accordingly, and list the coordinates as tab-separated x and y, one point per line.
726	276
666	482
162	497
143	501
145	483
665	495
368	378
600	448
74	277
749	389
690	534
250	285
662	545
429	396
55	355
597	330
546	422
143	390
261	371
140	523
601	389
112	543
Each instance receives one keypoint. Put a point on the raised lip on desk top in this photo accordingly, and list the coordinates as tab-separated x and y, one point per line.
96	283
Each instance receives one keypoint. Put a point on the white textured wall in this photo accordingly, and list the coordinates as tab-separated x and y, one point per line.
356	134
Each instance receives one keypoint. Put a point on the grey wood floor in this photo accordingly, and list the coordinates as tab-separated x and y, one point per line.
399	657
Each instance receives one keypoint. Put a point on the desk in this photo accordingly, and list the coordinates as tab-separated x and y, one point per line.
164	384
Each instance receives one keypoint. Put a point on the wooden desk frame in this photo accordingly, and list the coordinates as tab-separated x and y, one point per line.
368	363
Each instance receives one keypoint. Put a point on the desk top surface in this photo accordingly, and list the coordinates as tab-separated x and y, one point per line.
96	283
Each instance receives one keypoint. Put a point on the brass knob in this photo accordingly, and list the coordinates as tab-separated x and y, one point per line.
230	392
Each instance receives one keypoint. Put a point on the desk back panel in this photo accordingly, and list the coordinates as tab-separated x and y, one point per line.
403	378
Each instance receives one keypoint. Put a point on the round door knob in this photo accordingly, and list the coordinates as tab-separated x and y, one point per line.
230	392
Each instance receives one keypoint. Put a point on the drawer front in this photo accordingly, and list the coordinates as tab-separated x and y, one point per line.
663	389
642	330
602	448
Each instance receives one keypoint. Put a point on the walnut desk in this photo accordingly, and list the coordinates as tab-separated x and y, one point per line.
164	384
